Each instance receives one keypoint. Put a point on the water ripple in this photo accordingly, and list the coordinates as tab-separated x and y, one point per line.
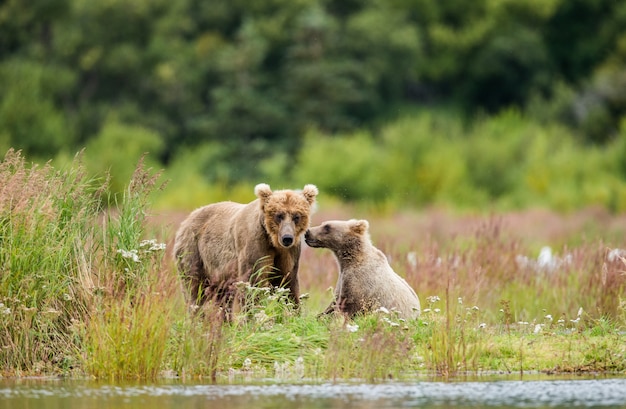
555	393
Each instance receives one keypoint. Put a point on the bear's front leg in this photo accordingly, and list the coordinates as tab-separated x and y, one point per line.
288	264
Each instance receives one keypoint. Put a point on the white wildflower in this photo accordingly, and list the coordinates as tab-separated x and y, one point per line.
482	325
523	323
426	310
247	364
537	329
437	310
152	245
548	317
391	323
352	328
261	317
615	255
383	310
131	254
546	261
433	299
411	258
460	300
580	312
475	308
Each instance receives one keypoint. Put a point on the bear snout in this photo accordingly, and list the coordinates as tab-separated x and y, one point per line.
310	240
287	240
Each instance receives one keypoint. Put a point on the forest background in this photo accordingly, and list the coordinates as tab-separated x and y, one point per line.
399	103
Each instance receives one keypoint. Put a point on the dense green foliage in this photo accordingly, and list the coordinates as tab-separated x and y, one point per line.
242	84
430	159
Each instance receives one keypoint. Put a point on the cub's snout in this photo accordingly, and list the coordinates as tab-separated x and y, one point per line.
310	240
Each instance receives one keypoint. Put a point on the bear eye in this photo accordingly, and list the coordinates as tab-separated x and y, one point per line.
326	228
296	218
279	217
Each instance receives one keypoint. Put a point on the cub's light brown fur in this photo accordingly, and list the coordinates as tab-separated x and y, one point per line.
222	243
366	280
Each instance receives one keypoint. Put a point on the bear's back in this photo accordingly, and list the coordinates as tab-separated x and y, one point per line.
382	285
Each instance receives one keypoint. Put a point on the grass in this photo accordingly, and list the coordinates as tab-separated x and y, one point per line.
91	291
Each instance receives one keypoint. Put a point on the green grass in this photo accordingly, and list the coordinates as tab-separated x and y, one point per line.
91	291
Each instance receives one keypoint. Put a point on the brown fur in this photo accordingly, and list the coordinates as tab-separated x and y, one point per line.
259	242
366	280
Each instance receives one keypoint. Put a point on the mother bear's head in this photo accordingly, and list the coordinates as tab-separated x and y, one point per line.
286	213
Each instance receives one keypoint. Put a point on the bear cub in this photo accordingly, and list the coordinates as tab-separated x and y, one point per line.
366	280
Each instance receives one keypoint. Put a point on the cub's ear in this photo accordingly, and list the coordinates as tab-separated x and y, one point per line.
359	226
262	191
309	192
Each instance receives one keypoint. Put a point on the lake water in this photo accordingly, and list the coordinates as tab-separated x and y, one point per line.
500	393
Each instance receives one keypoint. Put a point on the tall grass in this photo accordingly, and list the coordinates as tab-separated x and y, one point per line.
89	290
45	238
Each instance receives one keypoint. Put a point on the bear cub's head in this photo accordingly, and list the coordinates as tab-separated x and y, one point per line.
286	213
338	235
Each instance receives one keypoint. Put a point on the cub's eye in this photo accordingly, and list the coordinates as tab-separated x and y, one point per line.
326	228
279	217
296	218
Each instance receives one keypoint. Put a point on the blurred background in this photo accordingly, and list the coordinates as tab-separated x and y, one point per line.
499	104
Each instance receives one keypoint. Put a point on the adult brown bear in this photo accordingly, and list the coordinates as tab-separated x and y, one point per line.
223	243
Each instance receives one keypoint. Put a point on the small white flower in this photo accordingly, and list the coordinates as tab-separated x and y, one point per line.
5	310
437	310
561	321
616	254
482	325
548	317
383	310
433	299
460	300
523	323
411	258
152	245
475	308
132	254
352	328
391	323
537	329
426	310
67	297
247	364
580	312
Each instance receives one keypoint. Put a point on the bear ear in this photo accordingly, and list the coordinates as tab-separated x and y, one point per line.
359	226
262	191
309	192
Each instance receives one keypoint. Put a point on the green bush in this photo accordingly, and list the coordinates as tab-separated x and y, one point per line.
506	161
116	150
347	167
